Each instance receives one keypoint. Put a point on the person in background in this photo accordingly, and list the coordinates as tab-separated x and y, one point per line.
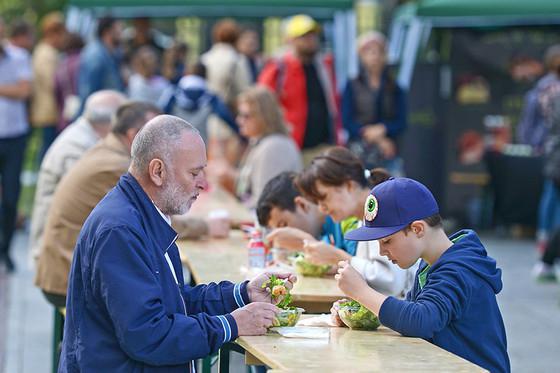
227	76
68	147
66	81
45	60
304	83
549	209
248	46
15	88
174	62
270	151
21	39
374	107
293	218
338	183
192	101
145	84
100	60
533	130
142	34
453	301
127	302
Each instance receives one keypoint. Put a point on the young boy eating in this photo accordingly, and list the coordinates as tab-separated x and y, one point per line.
453	301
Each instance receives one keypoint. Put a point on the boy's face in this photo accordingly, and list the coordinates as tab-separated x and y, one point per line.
301	218
402	248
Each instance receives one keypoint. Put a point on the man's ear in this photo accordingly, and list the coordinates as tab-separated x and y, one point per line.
301	203
157	171
418	227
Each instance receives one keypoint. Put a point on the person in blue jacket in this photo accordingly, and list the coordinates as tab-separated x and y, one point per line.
293	218
453	301
128	308
192	101
374	107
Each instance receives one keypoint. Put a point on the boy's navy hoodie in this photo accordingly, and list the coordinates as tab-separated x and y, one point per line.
457	308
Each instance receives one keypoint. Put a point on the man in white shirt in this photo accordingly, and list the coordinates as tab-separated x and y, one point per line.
15	88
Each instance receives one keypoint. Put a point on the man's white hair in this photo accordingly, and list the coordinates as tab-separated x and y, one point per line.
157	139
101	106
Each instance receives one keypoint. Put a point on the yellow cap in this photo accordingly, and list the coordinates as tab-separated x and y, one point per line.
300	25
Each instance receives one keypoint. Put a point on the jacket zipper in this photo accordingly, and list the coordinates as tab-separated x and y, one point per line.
177	280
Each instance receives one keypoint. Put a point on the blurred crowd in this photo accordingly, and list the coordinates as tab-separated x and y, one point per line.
258	116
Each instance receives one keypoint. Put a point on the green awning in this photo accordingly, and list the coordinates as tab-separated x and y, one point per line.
468	8
477	13
234	8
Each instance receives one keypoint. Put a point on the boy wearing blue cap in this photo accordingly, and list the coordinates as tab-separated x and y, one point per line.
453	301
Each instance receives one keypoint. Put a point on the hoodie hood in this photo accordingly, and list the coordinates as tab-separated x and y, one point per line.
468	253
191	93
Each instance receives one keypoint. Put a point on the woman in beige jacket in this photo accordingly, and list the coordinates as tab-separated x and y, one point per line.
271	150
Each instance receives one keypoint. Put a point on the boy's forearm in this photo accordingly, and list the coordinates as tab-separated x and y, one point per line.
371	299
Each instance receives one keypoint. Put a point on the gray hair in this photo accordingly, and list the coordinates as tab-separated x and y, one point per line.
157	139
101	106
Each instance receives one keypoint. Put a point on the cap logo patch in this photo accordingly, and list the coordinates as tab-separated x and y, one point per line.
370	208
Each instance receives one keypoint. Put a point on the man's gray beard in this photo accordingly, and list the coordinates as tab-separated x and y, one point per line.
171	201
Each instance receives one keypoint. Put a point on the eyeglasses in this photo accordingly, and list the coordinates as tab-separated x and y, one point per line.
244	116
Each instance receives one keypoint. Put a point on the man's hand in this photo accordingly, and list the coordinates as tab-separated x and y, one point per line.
319	252
254	318
289	238
218	227
259	294
350	281
334	312
388	148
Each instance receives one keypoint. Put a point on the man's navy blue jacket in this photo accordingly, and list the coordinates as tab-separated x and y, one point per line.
125	310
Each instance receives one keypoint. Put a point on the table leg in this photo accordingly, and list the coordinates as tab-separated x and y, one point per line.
223	356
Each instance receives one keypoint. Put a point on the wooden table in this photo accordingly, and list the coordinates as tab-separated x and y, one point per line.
348	350
214	260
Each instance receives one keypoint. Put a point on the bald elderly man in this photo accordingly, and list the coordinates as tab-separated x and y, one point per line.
70	145
128	309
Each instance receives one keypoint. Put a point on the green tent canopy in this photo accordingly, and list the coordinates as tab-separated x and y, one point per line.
488	12
234	8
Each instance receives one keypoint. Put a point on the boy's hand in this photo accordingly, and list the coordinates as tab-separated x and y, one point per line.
319	252
334	312
259	294
288	238
350	281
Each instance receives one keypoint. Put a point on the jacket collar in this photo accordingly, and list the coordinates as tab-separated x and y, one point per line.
156	227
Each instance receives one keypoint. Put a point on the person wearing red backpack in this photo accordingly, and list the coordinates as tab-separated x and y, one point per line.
304	82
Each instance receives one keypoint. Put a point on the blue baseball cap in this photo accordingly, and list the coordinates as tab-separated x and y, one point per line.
391	206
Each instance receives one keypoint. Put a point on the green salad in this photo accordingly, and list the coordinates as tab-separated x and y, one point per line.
289	315
356	316
306	268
